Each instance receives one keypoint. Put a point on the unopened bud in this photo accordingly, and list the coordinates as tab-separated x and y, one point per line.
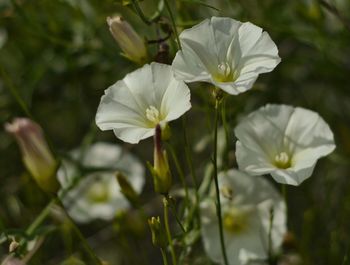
158	233
160	171
13	245
127	190
37	156
132	45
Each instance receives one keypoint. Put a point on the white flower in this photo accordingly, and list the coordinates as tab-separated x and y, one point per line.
283	141
133	107
97	193
247	203
225	52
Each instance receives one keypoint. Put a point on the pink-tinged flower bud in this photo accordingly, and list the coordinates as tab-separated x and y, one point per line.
132	45
161	172
37	156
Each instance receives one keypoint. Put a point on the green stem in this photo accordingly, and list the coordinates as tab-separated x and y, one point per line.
173	210
165	259
190	162
167	5
40	218
83	240
140	13
14	92
180	173
218	203
167	229
226	128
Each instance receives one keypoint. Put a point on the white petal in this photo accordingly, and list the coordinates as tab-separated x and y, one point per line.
249	192
242	46
263	130
176	100
254	162
80	207
123	107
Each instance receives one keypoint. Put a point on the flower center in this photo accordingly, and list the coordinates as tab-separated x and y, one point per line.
98	192
235	221
224	73
152	114
282	160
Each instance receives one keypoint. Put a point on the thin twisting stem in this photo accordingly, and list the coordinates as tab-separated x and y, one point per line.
218	203
165	259
190	164
140	13
180	173
83	240
167	5
167	229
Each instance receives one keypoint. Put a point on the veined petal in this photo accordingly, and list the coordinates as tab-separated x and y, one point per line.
176	100
293	139
225	52
252	200
144	98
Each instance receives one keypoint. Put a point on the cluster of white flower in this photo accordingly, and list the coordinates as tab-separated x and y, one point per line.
280	140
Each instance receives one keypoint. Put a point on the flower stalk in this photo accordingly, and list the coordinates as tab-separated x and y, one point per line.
167	228
215	176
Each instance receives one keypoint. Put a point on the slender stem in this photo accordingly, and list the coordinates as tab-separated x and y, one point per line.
140	13
190	162
218	203
165	259
83	240
167	229
284	192
167	5
173	210
180	173
14	92
270	254
226	128
41	217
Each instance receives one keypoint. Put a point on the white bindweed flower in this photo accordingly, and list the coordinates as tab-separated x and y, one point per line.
225	52
283	141
92	172
248	206
134	106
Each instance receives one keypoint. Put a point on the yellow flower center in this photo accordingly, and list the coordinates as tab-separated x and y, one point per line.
235	221
282	160
98	192
152	114
224	73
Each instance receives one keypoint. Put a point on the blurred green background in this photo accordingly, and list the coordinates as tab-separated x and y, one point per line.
57	57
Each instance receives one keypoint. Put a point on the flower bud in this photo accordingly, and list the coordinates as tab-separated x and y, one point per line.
160	170
132	45
158	234
127	190
36	154
13	245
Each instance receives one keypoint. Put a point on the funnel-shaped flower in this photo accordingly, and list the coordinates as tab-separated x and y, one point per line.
283	141
92	172
254	219
37	156
225	52
133	46
134	106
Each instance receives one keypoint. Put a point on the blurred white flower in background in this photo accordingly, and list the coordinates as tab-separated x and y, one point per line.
225	52
133	107
283	141
247	204
97	193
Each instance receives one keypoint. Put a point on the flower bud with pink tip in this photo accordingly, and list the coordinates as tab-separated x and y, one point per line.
36	153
